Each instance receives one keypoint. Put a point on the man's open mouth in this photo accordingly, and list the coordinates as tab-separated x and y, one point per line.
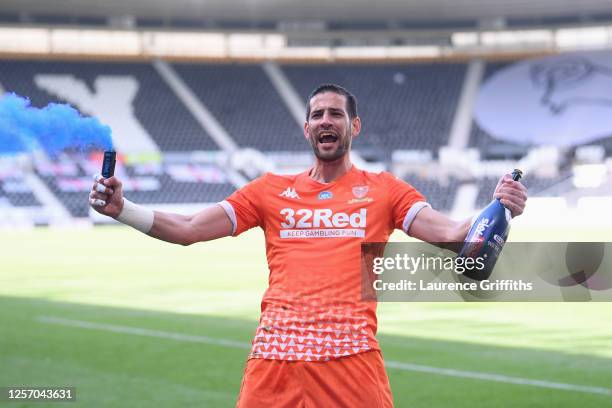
327	137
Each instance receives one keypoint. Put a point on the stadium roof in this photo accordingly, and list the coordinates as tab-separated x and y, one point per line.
254	12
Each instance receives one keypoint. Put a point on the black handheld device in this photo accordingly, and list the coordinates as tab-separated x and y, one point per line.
108	165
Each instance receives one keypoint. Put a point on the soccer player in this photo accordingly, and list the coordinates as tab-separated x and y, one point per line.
315	343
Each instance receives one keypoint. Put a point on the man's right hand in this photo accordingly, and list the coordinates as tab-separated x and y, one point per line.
106	196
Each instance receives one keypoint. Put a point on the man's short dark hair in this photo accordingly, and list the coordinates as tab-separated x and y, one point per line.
351	101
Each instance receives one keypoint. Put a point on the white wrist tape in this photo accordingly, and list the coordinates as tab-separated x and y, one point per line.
136	216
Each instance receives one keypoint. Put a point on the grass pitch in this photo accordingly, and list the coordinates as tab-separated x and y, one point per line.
133	322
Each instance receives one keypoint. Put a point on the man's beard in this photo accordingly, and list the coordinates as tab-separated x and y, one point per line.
343	148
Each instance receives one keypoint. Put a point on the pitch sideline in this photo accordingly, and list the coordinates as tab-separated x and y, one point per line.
388	363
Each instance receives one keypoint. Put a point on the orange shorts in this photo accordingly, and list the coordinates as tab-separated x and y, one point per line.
359	380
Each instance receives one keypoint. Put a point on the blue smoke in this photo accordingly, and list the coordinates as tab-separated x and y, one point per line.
54	128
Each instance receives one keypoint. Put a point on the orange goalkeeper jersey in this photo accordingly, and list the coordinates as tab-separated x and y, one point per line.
313	308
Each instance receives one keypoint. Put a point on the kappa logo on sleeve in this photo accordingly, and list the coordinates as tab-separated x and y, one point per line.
290	193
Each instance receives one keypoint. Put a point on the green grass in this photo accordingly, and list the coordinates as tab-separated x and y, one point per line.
120	277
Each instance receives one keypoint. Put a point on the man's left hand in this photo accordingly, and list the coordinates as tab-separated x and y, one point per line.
512	194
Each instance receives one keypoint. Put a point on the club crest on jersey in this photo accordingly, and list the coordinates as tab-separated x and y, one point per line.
290	193
325	195
360	193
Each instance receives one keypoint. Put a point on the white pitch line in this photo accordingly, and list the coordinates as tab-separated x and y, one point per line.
497	378
389	364
191	338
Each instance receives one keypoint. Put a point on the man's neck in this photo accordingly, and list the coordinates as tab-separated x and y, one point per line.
326	172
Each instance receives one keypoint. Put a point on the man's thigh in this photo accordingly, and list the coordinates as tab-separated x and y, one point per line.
353	381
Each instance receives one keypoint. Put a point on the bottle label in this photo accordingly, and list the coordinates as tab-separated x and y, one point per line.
508	214
482	226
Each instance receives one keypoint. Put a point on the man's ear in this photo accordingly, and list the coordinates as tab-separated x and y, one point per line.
355	126
306	130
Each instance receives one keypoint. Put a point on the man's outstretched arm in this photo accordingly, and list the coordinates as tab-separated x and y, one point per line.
106	197
432	226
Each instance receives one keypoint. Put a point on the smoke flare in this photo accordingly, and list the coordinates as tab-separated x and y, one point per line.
54	128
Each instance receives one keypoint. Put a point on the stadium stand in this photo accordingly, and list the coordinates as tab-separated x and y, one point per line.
15	192
69	178
407	107
19	205
155	105
170	191
67	181
177	183
537	186
401	106
440	194
243	100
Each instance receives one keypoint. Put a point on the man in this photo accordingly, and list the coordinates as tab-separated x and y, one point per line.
315	344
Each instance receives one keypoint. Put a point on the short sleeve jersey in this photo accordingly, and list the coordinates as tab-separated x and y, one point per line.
313	308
